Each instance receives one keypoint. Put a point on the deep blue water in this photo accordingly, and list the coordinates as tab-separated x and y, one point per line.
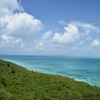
81	69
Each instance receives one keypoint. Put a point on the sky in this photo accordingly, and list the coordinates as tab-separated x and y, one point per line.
50	27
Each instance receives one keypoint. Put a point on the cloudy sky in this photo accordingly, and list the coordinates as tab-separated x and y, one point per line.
50	27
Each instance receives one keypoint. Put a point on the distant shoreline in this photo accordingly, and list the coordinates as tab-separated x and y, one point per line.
53	56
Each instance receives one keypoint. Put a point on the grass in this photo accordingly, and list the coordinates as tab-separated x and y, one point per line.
17	83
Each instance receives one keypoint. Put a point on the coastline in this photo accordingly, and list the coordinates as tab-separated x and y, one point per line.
29	69
18	83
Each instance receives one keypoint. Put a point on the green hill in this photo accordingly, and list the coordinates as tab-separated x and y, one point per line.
17	83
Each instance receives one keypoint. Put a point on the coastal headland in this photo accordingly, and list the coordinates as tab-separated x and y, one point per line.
18	83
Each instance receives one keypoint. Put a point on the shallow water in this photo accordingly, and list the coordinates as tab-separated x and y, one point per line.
81	69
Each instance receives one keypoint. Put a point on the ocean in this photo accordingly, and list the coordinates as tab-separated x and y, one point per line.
78	68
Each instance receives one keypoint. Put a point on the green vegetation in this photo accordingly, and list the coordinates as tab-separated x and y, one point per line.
17	83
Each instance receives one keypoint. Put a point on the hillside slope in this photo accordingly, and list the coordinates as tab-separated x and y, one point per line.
17	83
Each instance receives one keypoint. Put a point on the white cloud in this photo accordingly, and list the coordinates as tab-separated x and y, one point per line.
44	41
46	35
95	44
9	41
21	25
7	7
70	38
70	35
62	22
16	25
55	41
85	26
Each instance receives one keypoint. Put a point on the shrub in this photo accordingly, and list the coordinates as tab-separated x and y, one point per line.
4	95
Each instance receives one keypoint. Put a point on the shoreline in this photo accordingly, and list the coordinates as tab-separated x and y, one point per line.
76	79
16	82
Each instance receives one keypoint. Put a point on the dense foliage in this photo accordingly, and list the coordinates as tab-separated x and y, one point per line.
17	83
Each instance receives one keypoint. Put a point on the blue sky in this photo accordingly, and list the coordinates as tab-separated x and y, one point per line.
54	10
50	27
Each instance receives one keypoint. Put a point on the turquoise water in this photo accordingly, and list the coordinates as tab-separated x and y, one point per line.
81	69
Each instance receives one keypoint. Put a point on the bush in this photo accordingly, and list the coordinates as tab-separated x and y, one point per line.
3	82
5	95
8	65
13	71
